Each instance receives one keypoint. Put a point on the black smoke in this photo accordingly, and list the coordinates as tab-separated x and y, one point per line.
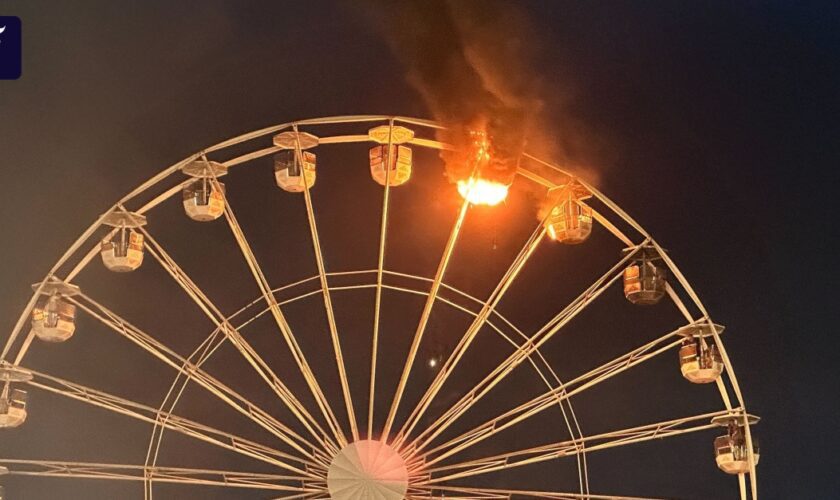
470	63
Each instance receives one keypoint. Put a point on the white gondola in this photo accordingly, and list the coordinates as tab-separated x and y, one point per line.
570	221
12	408
53	317
400	164
399	160
700	360
290	175
731	451
54	320
204	198
122	251
645	283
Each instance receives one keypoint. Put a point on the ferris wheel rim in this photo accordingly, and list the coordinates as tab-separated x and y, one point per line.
156	442
341	119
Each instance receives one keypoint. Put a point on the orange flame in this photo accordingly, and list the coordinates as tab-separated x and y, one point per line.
482	192
476	189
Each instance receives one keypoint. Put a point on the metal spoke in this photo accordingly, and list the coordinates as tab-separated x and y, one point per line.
383	231
532	360
319	259
172	475
472	331
316	494
188	369
555	450
517	357
238	341
550	398
206	349
424	317
72	390
282	323
499	493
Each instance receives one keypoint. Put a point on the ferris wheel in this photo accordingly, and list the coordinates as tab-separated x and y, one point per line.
444	395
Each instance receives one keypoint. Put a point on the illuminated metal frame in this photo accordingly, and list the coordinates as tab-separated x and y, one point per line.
308	455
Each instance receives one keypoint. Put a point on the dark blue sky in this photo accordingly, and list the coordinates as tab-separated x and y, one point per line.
714	124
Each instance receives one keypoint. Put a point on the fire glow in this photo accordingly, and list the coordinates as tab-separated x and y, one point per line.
478	189
482	192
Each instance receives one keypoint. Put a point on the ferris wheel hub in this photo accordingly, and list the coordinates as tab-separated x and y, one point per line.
367	469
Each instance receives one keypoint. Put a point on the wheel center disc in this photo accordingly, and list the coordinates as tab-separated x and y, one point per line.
367	469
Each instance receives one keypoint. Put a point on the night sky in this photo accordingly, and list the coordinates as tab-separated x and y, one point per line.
714	125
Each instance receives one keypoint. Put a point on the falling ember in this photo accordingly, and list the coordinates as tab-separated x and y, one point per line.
482	192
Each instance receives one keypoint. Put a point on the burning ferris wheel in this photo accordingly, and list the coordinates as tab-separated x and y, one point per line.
443	396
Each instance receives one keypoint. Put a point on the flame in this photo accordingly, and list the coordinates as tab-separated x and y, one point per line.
482	192
479	188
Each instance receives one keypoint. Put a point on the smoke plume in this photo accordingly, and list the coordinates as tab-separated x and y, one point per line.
469	62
